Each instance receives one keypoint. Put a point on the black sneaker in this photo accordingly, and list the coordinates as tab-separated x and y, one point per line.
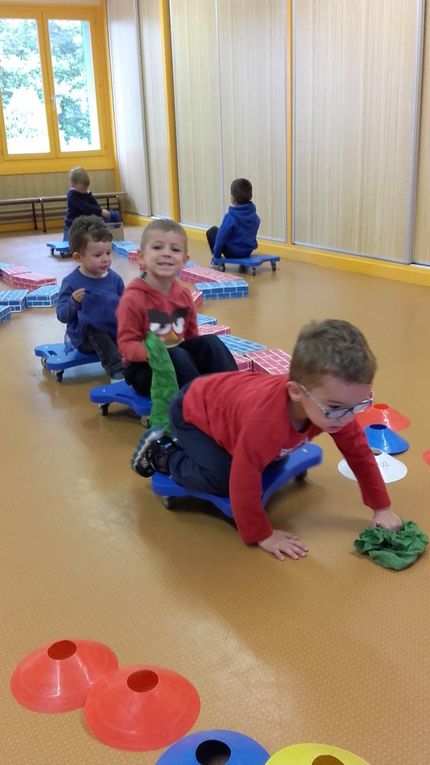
161	451
141	461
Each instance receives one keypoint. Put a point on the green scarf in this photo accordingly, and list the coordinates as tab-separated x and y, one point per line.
164	382
393	549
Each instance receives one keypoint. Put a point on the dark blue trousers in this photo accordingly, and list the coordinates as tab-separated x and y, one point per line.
198	356
199	463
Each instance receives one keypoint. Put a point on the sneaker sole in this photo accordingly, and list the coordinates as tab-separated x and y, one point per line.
145	441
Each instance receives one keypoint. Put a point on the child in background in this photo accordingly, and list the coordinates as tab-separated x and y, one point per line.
157	301
90	294
236	237
80	201
226	434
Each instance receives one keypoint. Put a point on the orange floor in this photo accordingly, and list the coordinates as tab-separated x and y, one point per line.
332	649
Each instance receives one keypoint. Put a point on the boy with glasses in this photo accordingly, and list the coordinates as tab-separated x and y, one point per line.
229	427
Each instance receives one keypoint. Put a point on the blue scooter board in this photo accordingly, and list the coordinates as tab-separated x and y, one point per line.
120	393
275	477
56	357
253	262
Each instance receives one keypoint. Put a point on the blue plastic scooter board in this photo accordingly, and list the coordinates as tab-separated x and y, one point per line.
61	249
252	262
120	393
56	357
275	477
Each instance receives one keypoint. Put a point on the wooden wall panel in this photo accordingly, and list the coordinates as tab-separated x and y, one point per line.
125	58
196	83
422	229
354	88
252	39
51	184
155	106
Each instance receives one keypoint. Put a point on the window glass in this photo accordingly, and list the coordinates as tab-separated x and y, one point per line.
75	100
21	87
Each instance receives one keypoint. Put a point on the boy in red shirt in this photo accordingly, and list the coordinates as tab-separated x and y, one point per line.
227	433
157	301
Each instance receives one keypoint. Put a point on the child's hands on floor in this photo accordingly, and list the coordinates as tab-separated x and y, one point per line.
281	544
387	519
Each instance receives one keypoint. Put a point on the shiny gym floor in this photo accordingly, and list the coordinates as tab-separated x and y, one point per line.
332	649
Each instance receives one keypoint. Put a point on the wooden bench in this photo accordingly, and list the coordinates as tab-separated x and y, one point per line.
43	208
24	208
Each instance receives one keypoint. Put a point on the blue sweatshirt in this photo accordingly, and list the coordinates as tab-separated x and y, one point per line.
80	204
238	231
97	308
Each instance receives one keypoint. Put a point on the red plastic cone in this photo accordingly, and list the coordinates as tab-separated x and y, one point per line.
57	677
382	414
141	708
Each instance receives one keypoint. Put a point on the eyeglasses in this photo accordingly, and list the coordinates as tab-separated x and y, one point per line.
337	412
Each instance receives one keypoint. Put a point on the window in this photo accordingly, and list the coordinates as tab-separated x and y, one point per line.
51	77
74	97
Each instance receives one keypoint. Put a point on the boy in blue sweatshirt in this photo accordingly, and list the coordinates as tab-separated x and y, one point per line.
90	294
80	201
236	237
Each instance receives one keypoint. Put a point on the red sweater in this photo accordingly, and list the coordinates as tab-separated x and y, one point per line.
142	308
247	414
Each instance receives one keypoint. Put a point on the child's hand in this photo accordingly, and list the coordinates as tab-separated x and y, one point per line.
78	295
282	544
387	519
105	213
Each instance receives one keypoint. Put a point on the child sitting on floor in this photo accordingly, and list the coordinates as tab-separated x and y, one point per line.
226	434
236	237
90	294
80	201
157	301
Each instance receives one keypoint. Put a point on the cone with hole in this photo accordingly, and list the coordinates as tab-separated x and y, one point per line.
382	437
141	707
221	745
315	754
390	468
57	677
383	414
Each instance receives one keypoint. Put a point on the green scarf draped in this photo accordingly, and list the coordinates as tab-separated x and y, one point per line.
164	382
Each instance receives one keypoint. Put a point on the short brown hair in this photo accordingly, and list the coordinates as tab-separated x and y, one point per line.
331	347
163	224
79	175
241	191
88	228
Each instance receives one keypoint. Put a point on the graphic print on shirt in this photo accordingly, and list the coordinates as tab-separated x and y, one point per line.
285	452
168	327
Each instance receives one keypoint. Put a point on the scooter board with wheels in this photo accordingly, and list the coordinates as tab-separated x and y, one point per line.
275	476
120	393
253	262
56	358
60	249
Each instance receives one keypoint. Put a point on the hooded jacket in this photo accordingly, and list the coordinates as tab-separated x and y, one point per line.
142	308
238	231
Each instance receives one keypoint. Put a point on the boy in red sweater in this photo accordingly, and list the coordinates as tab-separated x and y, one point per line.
226	434
157	301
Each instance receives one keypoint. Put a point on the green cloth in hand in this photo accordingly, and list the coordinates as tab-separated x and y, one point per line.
393	549
164	383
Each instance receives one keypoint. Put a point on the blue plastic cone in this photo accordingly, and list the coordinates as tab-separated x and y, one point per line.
240	749
387	440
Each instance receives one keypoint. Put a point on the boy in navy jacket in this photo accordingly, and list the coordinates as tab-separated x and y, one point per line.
236	237
90	295
80	201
